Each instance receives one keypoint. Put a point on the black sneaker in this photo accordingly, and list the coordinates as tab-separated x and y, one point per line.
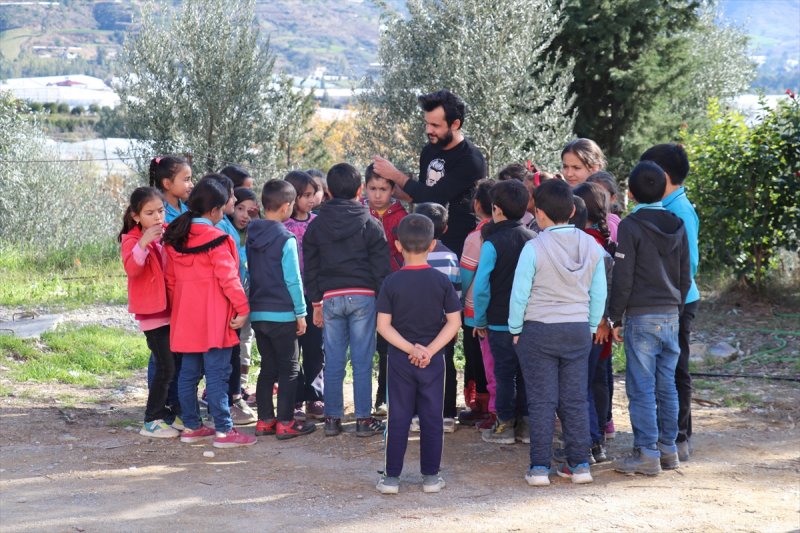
599	453
333	426
367	427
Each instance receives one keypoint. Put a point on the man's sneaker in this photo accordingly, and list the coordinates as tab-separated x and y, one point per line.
487	423
684	450
669	457
178	424
315	410
380	410
639	462
241	414
367	427
197	435
538	476
579	474
610	431
414	424
599	453
471	417
266	428
433	483
333	426
295	428
449	425
388	485
299	414
522	431
233	439
502	433
158	429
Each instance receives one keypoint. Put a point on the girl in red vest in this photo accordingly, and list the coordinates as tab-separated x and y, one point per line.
144	263
208	304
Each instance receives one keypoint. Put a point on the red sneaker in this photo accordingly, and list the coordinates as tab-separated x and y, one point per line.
234	439
488	422
196	435
293	429
266	428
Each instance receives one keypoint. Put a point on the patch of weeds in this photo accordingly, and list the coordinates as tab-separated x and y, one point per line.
16	348
744	399
123	423
618	357
5	390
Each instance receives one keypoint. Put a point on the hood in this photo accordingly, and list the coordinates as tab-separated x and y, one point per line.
201	238
663	232
341	219
262	234
568	252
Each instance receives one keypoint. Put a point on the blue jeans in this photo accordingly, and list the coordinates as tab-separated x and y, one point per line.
651	352
217	365
511	400
349	321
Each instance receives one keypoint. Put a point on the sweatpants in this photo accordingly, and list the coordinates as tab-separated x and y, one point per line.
414	390
554	362
277	344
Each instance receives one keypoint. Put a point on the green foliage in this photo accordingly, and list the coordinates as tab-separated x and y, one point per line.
746	183
492	54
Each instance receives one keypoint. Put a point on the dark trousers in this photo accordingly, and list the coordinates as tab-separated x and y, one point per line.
450	380
553	358
382	347
610	380
597	433
163	375
600	390
510	400
683	379
473	361
172	396
414	390
235	381
310	384
277	344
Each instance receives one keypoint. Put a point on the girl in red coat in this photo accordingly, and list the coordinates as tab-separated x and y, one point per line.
144	262
208	304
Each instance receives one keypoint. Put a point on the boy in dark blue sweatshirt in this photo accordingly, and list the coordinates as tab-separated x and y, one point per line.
278	310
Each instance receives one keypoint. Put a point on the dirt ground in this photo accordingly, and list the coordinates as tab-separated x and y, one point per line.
85	468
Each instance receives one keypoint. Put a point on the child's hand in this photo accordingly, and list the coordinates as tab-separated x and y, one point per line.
479	332
301	325
602	332
238	321
153	233
515	339
317	318
617	334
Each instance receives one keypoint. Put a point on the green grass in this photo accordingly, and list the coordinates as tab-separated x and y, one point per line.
11	41
72	277
83	356
618	357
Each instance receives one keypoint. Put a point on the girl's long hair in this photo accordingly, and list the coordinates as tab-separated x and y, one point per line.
596	198
139	197
165	167
205	196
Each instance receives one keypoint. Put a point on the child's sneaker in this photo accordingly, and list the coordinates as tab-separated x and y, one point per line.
293	429
299	414
414	424
158	429
249	397
522	431
388	485
610	431
241	414
449	425
266	428
333	426
579	474
471	417
502	433
367	427
433	483
380	410
639	462
599	453
487	423
315	410
233	439
538	476
196	435
178	424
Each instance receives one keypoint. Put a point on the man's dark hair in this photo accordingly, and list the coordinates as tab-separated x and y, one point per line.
415	233
454	107
511	197
343	181
276	193
483	194
647	182
438	215
370	174
671	158
555	198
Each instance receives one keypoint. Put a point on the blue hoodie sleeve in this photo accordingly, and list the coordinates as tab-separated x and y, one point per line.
521	289
467	276
598	291
482	291
291	276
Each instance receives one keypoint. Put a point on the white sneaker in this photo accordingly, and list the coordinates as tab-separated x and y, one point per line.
414	424
449	425
388	485
538	476
433	483
158	429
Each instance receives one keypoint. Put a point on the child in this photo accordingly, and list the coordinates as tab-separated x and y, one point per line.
389	212
144	263
609	183
533	178
518	172
245	206
208	305
441	258
479	385
323	194
673	160
346	258
239	176
651	280
278	310
172	175
579	159
557	300
310	384
503	242
418	324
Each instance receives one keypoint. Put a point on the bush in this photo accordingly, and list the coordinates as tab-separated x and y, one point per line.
77	110
62	108
746	182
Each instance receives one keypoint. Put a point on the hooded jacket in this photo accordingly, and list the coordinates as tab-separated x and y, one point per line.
390	220
651	264
147	292
204	290
344	248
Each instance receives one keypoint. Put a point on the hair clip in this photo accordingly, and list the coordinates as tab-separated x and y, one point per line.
157	160
536	179
529	165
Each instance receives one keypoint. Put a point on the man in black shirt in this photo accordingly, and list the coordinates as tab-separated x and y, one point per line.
449	167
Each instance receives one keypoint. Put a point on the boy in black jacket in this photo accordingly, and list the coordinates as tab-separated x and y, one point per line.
651	280
346	257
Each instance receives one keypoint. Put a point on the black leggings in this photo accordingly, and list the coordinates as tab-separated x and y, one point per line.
158	342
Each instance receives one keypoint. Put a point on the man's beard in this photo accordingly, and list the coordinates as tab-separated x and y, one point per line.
443	141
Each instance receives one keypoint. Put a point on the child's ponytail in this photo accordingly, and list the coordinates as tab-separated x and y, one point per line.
206	195
164	167
139	197
597	203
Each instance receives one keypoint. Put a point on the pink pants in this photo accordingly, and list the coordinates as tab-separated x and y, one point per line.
488	365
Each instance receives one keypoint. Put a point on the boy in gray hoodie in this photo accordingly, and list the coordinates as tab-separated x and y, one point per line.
557	300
